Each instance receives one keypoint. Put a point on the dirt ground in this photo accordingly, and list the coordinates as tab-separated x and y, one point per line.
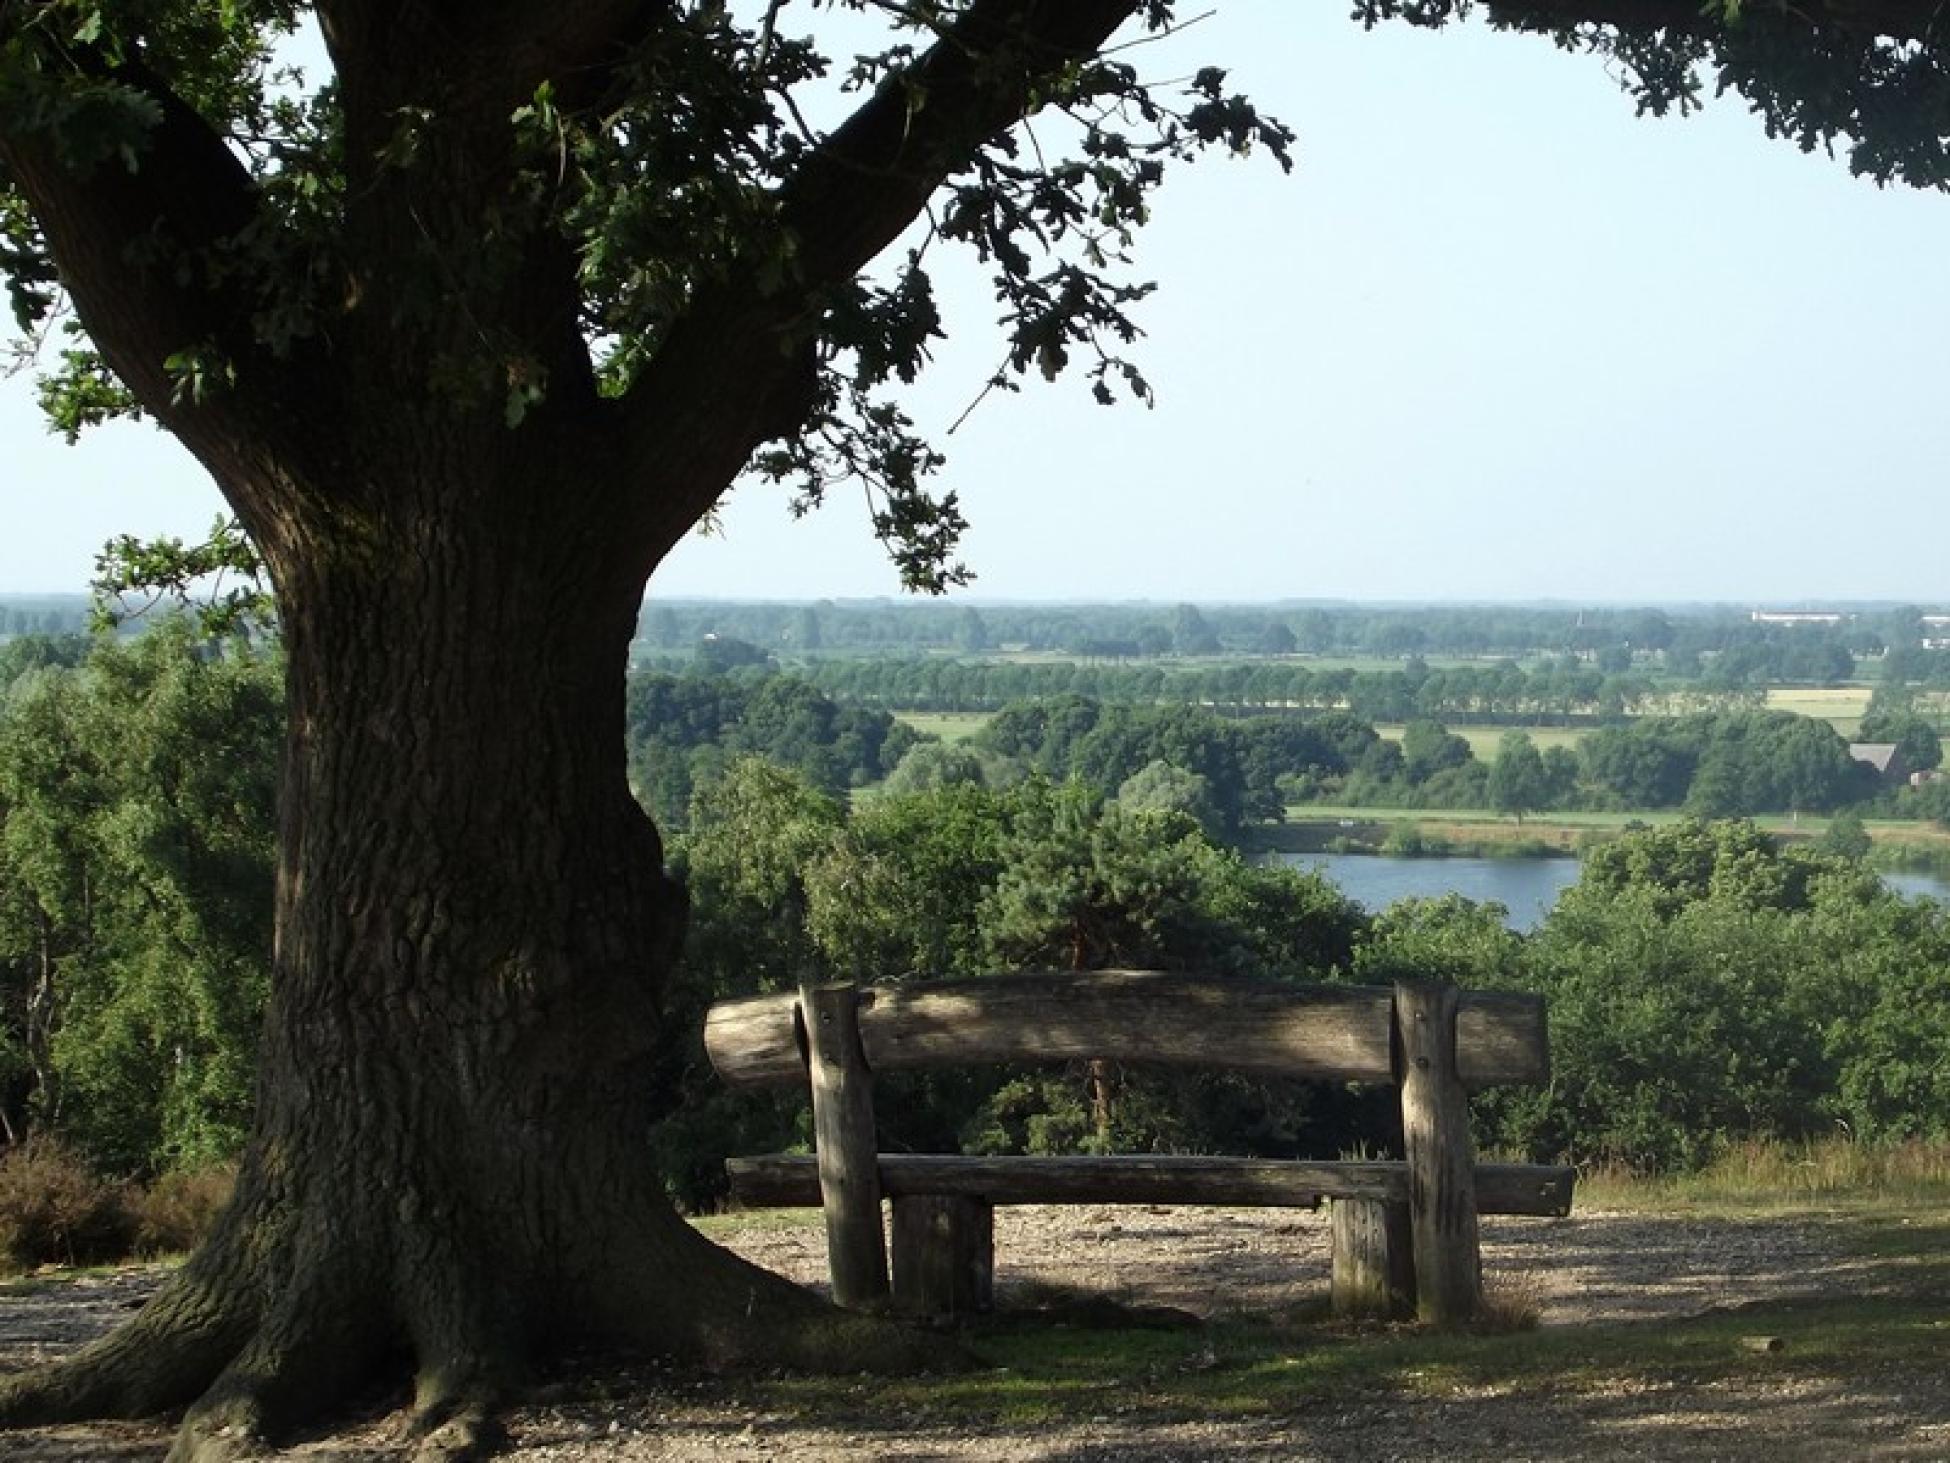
1592	1268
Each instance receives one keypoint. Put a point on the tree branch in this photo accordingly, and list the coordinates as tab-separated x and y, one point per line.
500	51
140	245
850	199
1898	20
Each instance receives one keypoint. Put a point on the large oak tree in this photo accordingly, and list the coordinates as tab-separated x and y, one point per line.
469	337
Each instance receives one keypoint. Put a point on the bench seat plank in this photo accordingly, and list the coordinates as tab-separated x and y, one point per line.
788	1180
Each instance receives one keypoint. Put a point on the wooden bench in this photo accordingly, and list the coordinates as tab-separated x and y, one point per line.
1404	1232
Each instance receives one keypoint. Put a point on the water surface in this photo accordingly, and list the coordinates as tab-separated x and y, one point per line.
1526	887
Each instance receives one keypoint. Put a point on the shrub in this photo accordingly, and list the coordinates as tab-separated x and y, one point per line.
53	1210
175	1212
1407	840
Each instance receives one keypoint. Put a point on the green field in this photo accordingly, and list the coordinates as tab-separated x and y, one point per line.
1543	825
1842	707
950	726
1483	740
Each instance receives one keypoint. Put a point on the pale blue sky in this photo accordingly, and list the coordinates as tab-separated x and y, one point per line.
1495	338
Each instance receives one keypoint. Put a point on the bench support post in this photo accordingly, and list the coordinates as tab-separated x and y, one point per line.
1374	1260
1441	1155
944	1255
847	1144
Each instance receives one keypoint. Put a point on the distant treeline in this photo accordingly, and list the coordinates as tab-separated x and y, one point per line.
683	730
43	614
1242	770
1683	644
1231	772
1566	688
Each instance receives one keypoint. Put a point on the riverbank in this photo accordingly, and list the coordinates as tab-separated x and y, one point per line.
1481	833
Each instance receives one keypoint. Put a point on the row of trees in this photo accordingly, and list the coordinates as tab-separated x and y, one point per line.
1234	771
1680	642
1565	688
22	615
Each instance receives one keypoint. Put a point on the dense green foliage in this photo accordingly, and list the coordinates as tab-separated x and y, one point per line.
965	881
1249	766
683	729
1239	763
136	832
1707	985
1726	764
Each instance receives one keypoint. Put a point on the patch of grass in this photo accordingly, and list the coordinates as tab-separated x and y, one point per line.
1484	740
1052	1375
950	726
1833	1174
1845	706
744	1221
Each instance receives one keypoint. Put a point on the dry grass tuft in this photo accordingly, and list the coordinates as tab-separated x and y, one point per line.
1510	1303
1772	1174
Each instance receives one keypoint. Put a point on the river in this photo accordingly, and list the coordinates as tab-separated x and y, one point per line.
1526	887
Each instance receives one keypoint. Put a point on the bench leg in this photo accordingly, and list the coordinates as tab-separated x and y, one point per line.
1374	1260
944	1255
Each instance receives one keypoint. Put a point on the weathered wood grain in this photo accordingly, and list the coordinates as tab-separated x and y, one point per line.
1374	1260
1441	1155
1264	1027
844	1133
944	1255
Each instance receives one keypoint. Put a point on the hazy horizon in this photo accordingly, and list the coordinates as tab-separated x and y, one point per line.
979	601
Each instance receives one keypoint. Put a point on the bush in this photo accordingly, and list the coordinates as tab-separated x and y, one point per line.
54	1211
175	1212
1407	840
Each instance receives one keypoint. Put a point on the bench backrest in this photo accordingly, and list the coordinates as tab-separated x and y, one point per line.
1266	1028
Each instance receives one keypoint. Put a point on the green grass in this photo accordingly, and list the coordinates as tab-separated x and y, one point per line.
950	726
744	1221
1484	740
1336	812
1842	707
1761	1178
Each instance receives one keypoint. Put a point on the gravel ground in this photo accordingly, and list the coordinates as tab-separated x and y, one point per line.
1592	1268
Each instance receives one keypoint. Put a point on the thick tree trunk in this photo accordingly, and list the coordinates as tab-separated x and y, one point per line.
474	926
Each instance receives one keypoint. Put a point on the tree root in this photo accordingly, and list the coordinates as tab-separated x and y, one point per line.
252	1363
169	1354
